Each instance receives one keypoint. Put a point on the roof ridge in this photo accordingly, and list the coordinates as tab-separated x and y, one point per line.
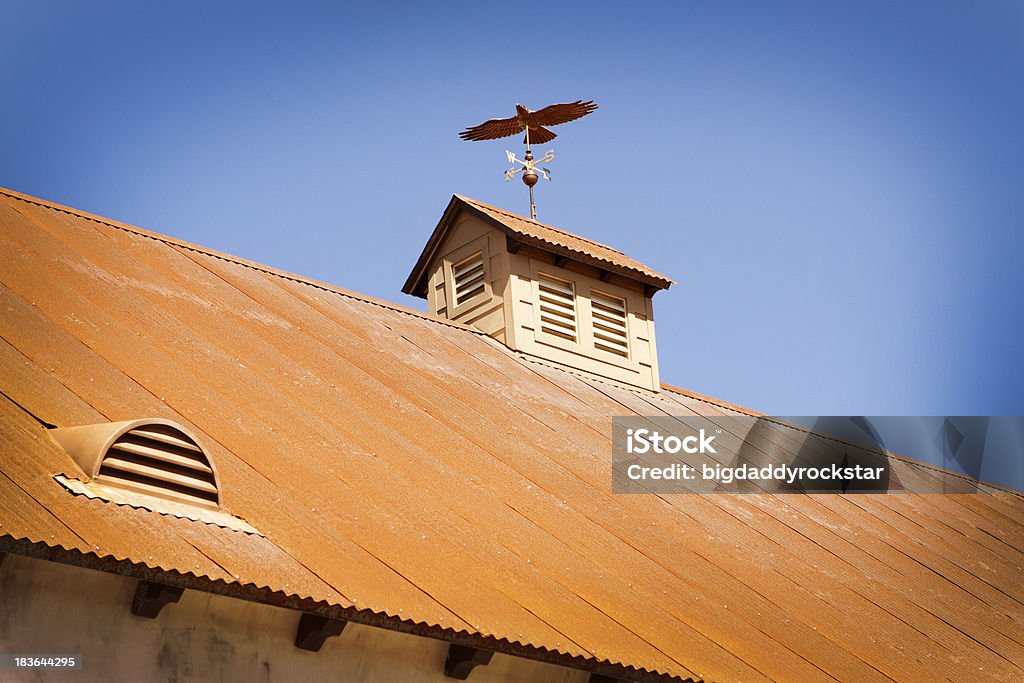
671	388
543	225
270	270
910	460
915	462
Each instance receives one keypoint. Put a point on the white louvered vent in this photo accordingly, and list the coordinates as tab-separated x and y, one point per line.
161	461
557	307
611	332
468	278
155	457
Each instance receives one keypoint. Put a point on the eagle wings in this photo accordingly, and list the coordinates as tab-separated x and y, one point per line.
534	122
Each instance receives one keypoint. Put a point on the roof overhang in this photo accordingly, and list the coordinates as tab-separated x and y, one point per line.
278	598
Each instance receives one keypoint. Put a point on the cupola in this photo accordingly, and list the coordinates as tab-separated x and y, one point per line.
541	291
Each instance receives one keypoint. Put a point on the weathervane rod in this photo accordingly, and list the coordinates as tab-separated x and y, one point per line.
529	155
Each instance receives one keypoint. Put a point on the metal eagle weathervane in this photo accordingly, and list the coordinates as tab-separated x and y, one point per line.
535	124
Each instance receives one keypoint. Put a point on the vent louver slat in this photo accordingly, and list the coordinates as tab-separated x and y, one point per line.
138	466
557	307
611	331
165	435
468	278
138	447
162	461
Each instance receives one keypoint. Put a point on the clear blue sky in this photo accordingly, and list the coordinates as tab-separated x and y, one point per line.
838	187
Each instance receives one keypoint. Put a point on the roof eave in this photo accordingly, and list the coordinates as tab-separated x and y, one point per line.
250	592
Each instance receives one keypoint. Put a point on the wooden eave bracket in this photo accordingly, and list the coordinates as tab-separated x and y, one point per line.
314	629
513	245
151	597
462	659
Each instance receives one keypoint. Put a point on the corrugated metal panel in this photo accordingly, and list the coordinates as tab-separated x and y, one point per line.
415	472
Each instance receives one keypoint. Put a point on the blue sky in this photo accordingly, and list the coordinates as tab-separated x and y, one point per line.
837	187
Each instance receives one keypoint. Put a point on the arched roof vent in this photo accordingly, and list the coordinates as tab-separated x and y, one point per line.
155	457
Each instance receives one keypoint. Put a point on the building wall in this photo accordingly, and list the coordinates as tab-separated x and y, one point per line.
50	608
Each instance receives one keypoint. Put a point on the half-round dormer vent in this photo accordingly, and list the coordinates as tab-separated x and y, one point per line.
155	457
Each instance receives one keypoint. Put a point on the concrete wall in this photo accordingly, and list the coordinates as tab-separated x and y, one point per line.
50	608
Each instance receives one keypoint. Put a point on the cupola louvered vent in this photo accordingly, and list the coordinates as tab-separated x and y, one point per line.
153	457
557	307
611	332
468	278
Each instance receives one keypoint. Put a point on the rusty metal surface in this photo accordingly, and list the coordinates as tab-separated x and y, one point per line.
560	238
411	474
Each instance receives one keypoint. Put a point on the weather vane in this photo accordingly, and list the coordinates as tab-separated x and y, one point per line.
533	122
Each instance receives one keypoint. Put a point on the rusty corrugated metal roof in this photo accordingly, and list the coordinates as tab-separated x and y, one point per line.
534	233
413	474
